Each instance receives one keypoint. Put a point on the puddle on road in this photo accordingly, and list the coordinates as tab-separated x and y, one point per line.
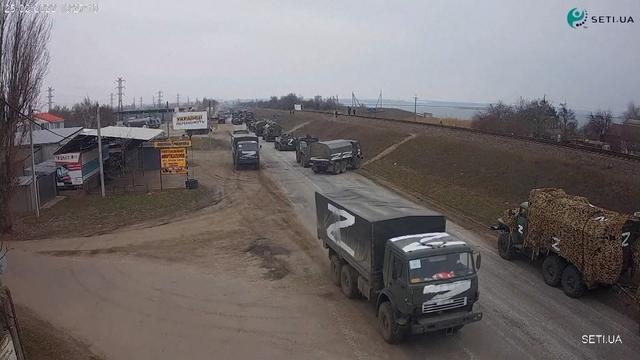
264	249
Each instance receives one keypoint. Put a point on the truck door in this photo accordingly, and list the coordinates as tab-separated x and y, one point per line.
521	226
397	282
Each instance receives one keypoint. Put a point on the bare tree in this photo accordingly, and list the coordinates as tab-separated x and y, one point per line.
598	125
567	119
632	112
24	60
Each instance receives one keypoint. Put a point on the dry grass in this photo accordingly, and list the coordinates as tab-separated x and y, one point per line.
86	215
482	178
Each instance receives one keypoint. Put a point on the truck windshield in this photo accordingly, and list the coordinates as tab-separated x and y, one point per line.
441	267
248	146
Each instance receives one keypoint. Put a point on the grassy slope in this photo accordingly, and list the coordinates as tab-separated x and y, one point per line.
482	178
478	175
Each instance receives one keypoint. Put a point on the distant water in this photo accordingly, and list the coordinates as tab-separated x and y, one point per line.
459	110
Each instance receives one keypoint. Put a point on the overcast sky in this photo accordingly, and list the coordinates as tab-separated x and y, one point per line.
477	51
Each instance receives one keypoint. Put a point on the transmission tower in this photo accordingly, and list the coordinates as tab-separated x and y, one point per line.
111	100
50	97
178	100
120	89
159	98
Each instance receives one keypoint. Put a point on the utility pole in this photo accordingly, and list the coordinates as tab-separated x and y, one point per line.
34	178
111	100
415	107
50	97
134	102
168	132
100	152
120	94
140	102
159	98
178	100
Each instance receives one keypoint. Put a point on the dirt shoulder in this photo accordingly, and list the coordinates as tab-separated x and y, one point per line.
44	341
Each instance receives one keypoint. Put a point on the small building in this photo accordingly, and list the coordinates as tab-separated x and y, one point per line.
625	137
45	142
49	121
23	200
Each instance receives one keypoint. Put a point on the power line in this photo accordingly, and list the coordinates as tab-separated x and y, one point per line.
28	118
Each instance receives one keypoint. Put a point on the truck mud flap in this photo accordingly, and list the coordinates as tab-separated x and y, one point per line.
446	321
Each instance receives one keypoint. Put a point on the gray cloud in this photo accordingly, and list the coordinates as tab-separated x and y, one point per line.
443	50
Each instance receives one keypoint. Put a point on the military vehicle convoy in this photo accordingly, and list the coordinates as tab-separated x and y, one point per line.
302	149
335	156
581	245
401	258
245	149
286	142
271	131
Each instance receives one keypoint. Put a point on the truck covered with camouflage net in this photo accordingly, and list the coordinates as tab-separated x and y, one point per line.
580	245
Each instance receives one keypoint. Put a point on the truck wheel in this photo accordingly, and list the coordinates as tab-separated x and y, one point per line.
315	169
572	283
390	330
552	268
504	246
344	166
335	268
348	282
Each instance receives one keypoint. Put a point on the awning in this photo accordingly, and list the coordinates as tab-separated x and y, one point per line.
123	132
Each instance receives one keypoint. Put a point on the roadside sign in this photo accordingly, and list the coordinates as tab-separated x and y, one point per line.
173	160
297	107
172	143
190	120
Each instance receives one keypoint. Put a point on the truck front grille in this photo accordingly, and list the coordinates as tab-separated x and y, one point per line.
433	306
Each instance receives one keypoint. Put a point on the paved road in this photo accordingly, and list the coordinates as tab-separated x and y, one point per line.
523	317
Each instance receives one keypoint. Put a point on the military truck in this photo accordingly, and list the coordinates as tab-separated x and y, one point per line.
271	131
302	149
286	142
245	150
581	245
335	156
400	257
258	127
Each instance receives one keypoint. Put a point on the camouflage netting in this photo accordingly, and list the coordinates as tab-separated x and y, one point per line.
589	235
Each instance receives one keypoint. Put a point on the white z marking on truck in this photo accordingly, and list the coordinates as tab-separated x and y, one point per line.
556	244
333	230
446	291
520	229
625	239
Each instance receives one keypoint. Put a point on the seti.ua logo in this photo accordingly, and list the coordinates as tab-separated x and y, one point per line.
576	17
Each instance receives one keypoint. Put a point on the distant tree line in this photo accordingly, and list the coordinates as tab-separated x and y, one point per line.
84	114
287	102
538	118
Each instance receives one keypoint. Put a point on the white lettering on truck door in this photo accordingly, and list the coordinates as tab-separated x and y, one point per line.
333	230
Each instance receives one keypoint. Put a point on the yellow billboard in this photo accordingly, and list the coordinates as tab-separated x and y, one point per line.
173	160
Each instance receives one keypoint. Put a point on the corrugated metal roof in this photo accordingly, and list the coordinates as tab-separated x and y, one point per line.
52	136
123	132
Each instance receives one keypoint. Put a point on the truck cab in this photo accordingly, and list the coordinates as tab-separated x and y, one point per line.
430	284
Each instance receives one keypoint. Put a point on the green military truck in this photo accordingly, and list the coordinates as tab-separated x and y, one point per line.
581	245
302	149
335	156
401	258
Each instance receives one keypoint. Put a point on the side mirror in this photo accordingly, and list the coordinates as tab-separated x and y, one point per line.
478	261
